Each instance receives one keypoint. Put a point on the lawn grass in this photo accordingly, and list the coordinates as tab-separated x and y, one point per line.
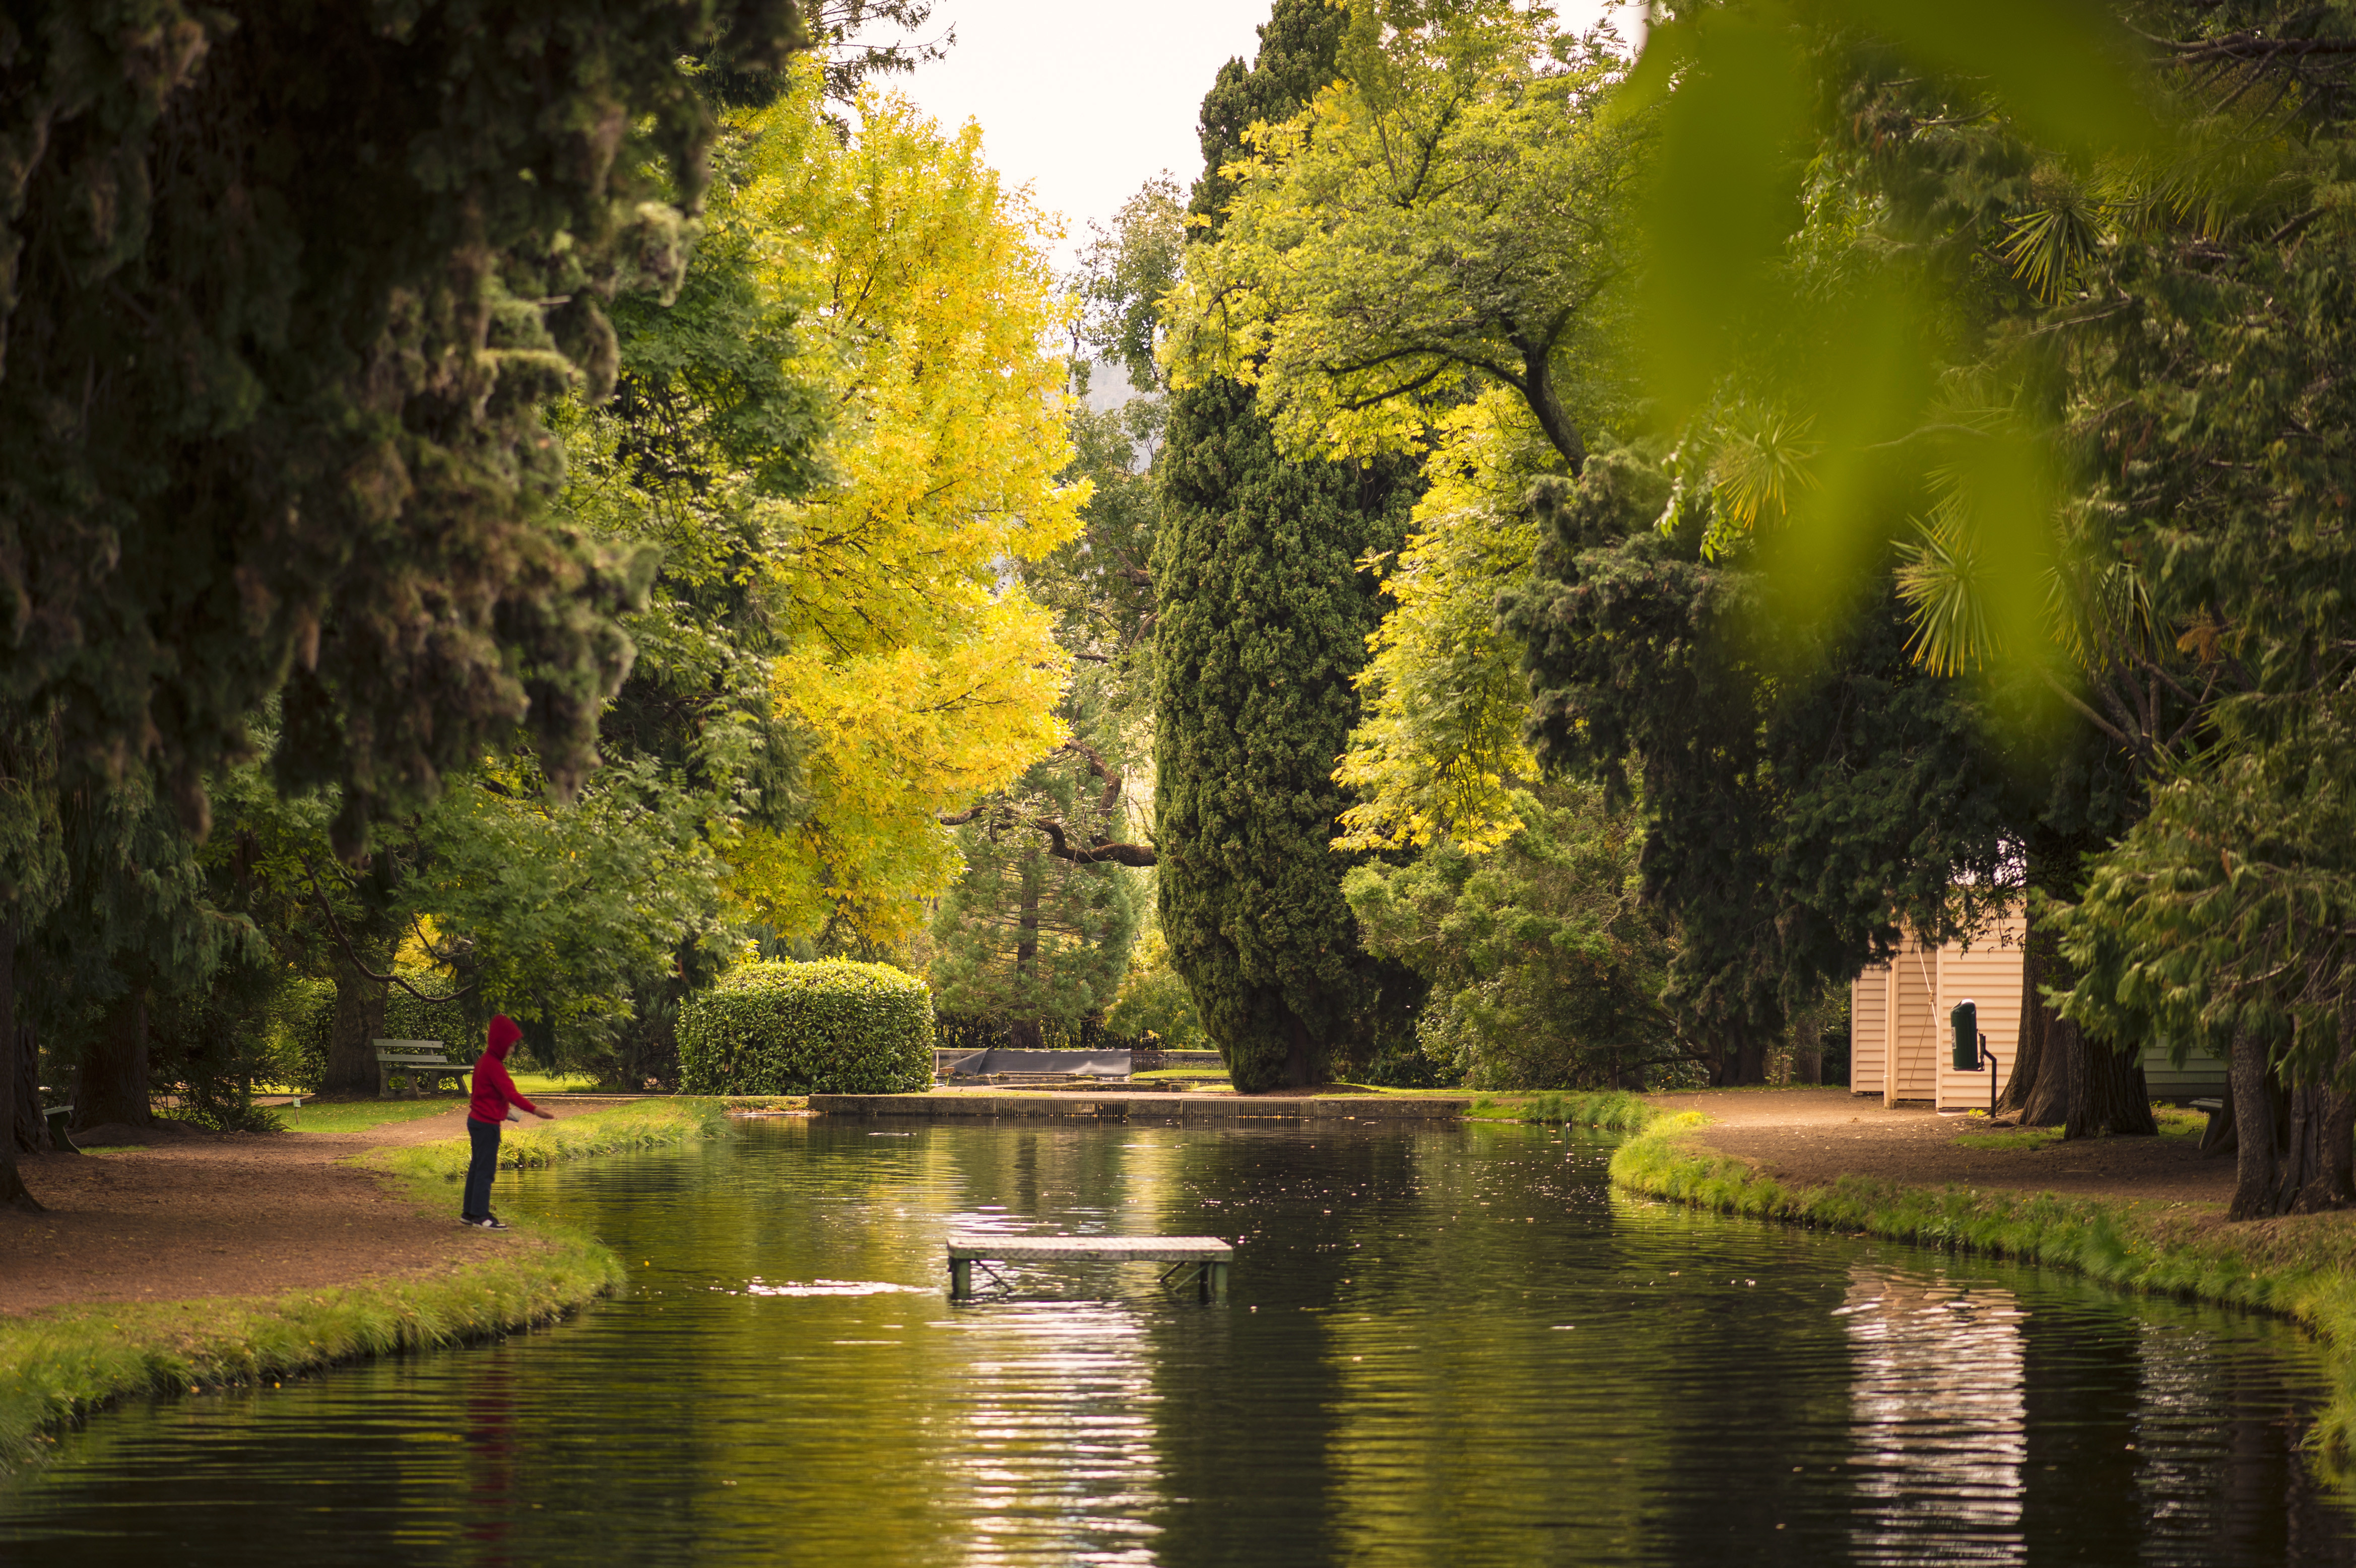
2010	1137
642	1124
532	1085
2175	1121
2302	1268
355	1115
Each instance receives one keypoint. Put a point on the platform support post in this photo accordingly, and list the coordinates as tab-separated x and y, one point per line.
1217	1290
961	1279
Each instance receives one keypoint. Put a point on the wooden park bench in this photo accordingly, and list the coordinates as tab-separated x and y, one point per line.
421	1061
1208	1256
2217	1138
55	1119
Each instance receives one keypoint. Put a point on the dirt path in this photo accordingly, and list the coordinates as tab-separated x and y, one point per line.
250	1214
1811	1137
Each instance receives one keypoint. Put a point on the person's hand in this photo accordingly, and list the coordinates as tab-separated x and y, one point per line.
545	1115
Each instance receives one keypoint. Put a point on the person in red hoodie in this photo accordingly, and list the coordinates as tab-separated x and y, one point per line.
494	1093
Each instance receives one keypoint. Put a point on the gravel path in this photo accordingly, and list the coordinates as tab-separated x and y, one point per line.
1812	1137
251	1214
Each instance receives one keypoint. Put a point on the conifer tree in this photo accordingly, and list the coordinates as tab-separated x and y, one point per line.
1263	617
283	288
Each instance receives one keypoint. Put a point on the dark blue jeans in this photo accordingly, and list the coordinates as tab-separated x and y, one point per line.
480	1170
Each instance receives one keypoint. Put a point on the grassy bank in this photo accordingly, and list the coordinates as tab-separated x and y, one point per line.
645	1124
58	1367
2302	1268
1607	1110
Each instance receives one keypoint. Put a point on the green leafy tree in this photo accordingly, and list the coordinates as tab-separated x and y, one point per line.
1546	965
1263	625
2133	361
1798	808
2201	304
1153	1000
1455	211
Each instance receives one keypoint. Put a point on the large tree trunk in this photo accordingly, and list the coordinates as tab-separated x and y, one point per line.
2022	1085
113	1084
1750	1058
2332	1182
2059	1078
13	1191
360	1022
2256	1170
2314	1175
1808	1061
2293	1149
1299	1061
32	1132
1738	1062
2108	1091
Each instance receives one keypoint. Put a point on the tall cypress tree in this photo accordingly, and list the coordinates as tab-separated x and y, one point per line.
1263	617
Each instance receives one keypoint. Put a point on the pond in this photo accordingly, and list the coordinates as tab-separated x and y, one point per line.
1451	1345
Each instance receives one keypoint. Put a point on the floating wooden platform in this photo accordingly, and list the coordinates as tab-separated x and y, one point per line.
1192	1109
1210	1256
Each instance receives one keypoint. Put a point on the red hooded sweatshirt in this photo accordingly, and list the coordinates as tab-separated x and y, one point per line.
494	1090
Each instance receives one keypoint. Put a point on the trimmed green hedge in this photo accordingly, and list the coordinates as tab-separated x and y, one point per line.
830	1027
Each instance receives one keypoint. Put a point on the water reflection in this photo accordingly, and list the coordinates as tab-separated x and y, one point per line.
1454	1346
1940	1417
1060	1436
490	1451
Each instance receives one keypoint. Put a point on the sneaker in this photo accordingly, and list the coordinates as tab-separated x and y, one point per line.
492	1222
481	1221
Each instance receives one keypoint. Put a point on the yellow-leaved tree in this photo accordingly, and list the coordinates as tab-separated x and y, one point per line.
920	671
1439	752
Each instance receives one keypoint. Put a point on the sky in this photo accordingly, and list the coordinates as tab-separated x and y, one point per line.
1087	99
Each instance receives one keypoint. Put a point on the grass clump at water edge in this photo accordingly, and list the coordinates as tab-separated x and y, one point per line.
647	1124
2303	1268
1605	1110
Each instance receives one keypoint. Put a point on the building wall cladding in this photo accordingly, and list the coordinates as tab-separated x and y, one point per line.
1869	1029
1900	1043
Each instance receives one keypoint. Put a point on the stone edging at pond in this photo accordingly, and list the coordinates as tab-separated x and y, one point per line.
1122	1106
2303	1268
60	1366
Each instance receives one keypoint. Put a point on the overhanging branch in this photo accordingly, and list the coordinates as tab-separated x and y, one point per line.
351	955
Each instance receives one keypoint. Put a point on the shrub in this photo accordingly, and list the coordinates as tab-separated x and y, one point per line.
1154	999
407	1017
830	1027
302	1020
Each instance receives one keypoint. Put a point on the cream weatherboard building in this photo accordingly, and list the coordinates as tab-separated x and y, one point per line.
1899	1047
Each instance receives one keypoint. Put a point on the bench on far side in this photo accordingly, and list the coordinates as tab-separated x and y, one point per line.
421	1061
1209	1256
2217	1138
